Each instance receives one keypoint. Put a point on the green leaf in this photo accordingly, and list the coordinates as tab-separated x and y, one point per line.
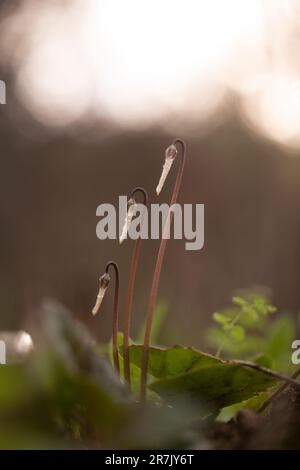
221	318
169	362
250	315
229	412
185	371
237	333
264	360
228	327
249	347
280	336
239	301
262	306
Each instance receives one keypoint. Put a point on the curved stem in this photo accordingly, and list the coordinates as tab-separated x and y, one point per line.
130	289
265	370
278	392
115	314
157	271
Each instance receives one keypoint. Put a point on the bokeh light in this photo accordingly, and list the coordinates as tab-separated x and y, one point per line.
139	63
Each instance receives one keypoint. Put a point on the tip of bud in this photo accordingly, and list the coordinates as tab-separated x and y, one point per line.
131	208
104	282
171	151
170	155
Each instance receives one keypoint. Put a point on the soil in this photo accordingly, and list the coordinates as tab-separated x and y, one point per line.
279	429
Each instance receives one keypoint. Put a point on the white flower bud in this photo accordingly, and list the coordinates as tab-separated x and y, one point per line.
131	209
104	282
170	155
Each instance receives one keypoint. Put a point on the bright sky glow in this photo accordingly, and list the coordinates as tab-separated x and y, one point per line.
137	62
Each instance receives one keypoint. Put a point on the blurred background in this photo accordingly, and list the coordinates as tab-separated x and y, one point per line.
95	92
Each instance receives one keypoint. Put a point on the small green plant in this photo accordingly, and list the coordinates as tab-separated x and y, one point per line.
238	326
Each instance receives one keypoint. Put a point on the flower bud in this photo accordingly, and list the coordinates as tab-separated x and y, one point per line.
170	155
104	283
131	209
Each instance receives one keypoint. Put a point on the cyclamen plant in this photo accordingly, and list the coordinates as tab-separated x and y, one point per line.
230	325
131	282
104	283
170	155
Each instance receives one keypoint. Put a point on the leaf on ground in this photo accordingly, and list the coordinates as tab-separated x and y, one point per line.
229	412
182	370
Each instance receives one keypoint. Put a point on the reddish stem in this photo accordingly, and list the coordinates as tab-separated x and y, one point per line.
130	290
278	392
115	314
157	271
